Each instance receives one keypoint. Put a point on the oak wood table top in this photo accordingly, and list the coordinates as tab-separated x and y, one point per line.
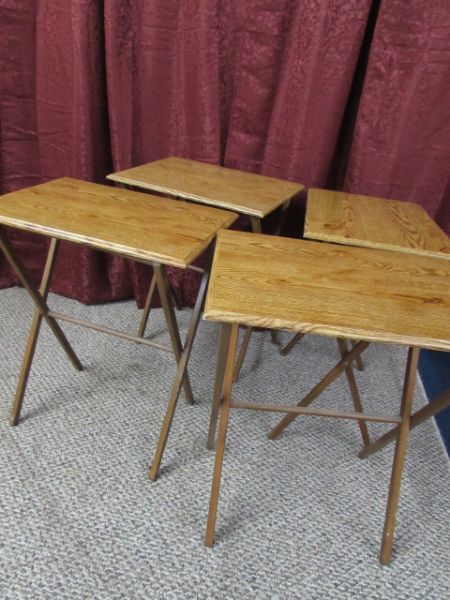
374	223
247	193
329	289
128	223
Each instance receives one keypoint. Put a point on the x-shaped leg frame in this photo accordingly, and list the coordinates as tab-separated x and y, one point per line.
173	401
345	365
148	303
42	311
440	402
224	377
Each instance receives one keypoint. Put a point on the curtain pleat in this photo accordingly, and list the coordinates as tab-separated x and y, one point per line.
401	143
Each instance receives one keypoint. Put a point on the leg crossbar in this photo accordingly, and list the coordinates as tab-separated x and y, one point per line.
224	403
42	312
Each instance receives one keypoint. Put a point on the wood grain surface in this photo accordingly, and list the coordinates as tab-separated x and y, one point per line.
329	289
246	193
128	223
374	223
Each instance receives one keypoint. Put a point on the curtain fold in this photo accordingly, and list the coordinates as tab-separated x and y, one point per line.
19	156
87	87
291	74
62	71
401	143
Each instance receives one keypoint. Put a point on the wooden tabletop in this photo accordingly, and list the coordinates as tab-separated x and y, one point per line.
131	224
374	223
246	193
328	289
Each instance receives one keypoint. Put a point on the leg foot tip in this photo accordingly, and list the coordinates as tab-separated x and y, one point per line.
152	476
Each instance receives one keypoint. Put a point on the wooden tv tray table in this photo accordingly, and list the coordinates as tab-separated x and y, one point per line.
357	220
326	289
250	194
130	224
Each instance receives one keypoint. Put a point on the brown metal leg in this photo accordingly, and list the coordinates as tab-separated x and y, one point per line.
224	340
298	336
37	298
33	335
221	437
174	298
439	403
255	223
148	302
286	349
179	376
358	360
399	456
320	387
342	344
242	353
41	312
256	228
282	219
169	313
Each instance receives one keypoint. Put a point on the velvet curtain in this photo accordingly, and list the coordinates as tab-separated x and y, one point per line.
401	142
352	94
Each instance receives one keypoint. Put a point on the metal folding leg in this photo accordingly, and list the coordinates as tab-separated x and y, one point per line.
180	376
292	342
41	312
148	303
256	228
224	340
440	402
399	456
231	335
343	365
169	314
342	344
228	343
283	214
358	361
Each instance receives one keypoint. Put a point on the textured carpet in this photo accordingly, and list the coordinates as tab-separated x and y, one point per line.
300	517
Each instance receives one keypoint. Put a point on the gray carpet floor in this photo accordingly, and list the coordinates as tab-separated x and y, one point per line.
300	517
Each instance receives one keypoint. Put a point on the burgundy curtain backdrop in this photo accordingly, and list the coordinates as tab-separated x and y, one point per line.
351	94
